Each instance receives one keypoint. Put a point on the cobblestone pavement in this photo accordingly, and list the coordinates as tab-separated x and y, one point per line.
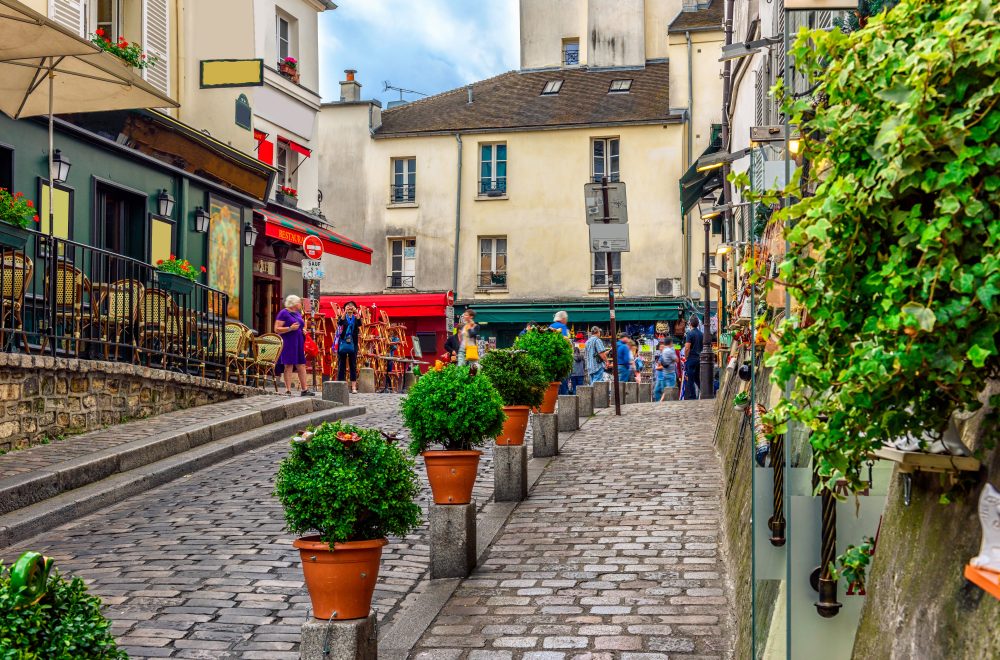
202	568
614	554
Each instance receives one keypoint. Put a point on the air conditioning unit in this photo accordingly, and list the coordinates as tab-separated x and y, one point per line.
668	286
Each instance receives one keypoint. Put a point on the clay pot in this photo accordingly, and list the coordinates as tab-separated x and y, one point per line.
340	582
452	475
515	426
551	397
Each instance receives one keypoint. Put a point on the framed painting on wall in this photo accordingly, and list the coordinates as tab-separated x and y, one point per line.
225	239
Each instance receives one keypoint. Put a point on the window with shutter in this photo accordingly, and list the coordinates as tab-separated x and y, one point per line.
156	42
68	13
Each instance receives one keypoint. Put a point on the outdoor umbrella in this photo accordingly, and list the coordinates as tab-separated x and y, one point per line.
46	69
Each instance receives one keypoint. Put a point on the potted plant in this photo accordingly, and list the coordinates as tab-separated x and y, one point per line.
288	196
289	68
177	275
741	401
129	53
555	354
344	489
521	382
16	215
457	408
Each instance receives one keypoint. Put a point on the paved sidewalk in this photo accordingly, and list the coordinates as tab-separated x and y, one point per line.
614	554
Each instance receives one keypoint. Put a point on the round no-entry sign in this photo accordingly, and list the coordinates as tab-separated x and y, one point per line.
312	246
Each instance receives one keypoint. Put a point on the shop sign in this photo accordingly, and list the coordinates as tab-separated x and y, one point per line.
312	269
449	318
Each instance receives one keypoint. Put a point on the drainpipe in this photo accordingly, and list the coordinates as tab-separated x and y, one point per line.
687	36
458	215
727	95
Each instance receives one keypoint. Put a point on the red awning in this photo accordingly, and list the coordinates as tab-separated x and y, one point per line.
294	232
295	146
403	305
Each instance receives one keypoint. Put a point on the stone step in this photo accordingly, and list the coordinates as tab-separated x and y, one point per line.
66	491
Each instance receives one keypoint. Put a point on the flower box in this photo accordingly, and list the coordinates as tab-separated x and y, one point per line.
287	200
12	236
175	283
289	71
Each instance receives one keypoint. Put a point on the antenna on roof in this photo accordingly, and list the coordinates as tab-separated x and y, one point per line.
386	86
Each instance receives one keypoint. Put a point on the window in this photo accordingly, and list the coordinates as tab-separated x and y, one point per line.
605	159
712	263
402	262
493	262
119	222
552	88
600	276
287	163
620	86
7	168
493	169
404	180
106	15
284	38
161	238
571	52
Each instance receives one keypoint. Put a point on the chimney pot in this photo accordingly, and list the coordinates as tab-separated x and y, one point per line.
350	74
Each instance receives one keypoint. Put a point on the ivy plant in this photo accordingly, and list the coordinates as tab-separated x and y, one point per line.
456	407
550	349
517	376
853	564
348	484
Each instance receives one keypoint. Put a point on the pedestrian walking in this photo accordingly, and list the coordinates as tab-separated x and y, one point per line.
291	327
451	347
468	350
665	369
579	365
559	324
693	342
595	355
625	363
348	331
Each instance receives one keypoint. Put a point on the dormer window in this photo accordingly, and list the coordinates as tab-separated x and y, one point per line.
620	86
552	88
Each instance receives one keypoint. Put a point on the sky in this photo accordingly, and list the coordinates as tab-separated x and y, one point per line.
425	45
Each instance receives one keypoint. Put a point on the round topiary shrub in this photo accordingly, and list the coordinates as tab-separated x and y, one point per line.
64	624
348	484
518	377
552	351
453	408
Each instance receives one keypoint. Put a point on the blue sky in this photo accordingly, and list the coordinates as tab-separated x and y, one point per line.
425	45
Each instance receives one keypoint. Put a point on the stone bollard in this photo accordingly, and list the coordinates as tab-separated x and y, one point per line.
510	473
645	392
672	393
409	378
453	539
621	393
602	395
568	412
631	392
585	398
545	435
337	391
354	639
366	380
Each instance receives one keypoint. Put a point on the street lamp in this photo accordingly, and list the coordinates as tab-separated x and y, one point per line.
249	234
60	167
719	159
201	220
165	204
708	210
743	49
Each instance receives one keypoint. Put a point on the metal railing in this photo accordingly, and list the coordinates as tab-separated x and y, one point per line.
66	299
493	187
492	280
399	281
601	279
402	194
571	56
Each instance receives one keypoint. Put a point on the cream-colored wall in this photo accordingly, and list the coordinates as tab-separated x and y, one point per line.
305	47
616	33
659	13
544	24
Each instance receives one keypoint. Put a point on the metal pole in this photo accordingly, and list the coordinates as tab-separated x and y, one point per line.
313	304
611	304
707	357
50	246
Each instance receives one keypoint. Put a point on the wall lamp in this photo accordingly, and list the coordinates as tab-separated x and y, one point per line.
60	167
747	48
249	234
201	220
718	159
776	133
165	204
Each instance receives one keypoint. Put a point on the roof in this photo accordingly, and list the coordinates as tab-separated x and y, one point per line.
708	17
513	100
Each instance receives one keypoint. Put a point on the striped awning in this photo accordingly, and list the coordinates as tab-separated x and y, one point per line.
294	232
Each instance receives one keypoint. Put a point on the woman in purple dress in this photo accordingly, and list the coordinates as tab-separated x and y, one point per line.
290	326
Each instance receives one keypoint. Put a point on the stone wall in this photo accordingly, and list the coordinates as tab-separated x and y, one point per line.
45	397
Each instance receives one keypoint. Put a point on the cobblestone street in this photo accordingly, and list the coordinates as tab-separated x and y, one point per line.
614	554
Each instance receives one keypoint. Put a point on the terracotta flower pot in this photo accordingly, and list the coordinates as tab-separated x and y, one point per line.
551	397
452	475
515	426
341	582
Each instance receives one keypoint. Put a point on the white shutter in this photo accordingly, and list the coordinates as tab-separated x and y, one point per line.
68	13
156	43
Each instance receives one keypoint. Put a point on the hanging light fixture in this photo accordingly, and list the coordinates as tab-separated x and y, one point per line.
60	167
165	204
201	220
249	234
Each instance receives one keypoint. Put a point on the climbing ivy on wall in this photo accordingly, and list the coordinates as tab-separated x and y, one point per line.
896	255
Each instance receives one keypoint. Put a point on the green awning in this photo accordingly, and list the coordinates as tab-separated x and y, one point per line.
579	312
694	184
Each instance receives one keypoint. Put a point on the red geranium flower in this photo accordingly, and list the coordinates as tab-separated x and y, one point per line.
99	32
35	218
159	261
31	204
204	270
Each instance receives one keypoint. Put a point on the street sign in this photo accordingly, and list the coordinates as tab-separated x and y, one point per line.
594	201
312	269
609	238
312	246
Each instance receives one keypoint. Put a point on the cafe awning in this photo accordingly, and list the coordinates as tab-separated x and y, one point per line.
694	184
596	311
294	232
396	305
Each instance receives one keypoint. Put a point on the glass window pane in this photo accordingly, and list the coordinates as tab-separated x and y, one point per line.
397	247
501	263
614	147
501	169
397	166
485	245
501	246
397	263
486	171
412	164
598	149
484	263
487	153
501	152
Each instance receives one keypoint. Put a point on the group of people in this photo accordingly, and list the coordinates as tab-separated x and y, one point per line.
290	326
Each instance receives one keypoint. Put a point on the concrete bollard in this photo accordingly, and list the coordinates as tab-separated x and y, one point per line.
631	392
366	380
337	391
453	539
621	393
602	395
510	473
409	378
645	392
585	399
568	412
544	435
339	640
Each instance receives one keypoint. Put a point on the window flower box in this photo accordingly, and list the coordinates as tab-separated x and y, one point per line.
289	68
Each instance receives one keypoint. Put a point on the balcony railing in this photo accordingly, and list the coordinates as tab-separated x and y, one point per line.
95	304
403	194
598	279
399	282
493	187
492	280
571	57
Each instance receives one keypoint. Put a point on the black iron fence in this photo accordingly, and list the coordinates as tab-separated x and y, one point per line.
399	281
403	194
66	299
493	187
496	280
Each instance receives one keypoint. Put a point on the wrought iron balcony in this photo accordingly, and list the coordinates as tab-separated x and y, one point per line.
493	280
493	187
571	57
399	282
601	279
403	194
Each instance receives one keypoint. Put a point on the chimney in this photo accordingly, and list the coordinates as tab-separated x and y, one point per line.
350	89
469	89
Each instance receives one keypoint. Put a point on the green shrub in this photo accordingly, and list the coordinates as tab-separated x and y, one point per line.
66	624
518	377
552	351
348	484
453	408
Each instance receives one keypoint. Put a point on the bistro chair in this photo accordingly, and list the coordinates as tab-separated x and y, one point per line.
15	273
160	328
119	309
237	347
72	290
267	348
